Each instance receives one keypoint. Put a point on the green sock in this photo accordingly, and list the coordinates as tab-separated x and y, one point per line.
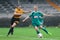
44	29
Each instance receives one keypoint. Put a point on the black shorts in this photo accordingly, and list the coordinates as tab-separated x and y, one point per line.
14	20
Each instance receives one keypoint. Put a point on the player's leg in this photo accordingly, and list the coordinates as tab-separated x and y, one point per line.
40	24
37	30
43	28
14	22
12	28
35	27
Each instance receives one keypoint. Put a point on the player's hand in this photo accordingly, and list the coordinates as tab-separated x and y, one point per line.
23	21
30	11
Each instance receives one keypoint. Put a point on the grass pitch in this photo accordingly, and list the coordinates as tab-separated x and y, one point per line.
28	33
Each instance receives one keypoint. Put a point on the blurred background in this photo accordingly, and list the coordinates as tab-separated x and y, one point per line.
7	8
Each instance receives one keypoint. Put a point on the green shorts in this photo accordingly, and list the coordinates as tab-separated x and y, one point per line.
37	24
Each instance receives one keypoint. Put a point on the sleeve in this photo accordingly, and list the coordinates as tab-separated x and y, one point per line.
31	14
41	13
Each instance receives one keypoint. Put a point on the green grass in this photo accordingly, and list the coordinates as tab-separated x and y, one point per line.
28	33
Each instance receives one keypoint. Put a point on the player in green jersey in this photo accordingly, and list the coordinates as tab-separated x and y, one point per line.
37	20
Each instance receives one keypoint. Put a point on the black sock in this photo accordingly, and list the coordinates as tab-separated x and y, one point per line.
10	31
37	32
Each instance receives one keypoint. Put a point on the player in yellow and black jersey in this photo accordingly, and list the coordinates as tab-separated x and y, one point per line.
15	19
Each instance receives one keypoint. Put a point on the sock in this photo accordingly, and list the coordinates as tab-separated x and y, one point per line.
10	31
44	29
37	31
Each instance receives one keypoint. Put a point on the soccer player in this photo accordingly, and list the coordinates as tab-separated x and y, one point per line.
15	19
37	20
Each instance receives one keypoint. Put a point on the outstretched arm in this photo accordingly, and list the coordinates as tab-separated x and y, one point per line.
47	14
44	14
27	11
25	18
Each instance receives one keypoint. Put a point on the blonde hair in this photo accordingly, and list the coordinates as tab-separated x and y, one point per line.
35	6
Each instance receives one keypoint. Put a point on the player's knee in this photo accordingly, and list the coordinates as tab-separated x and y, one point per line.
41	27
16	22
36	28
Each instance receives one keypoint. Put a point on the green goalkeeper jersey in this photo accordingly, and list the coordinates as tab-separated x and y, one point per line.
37	17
